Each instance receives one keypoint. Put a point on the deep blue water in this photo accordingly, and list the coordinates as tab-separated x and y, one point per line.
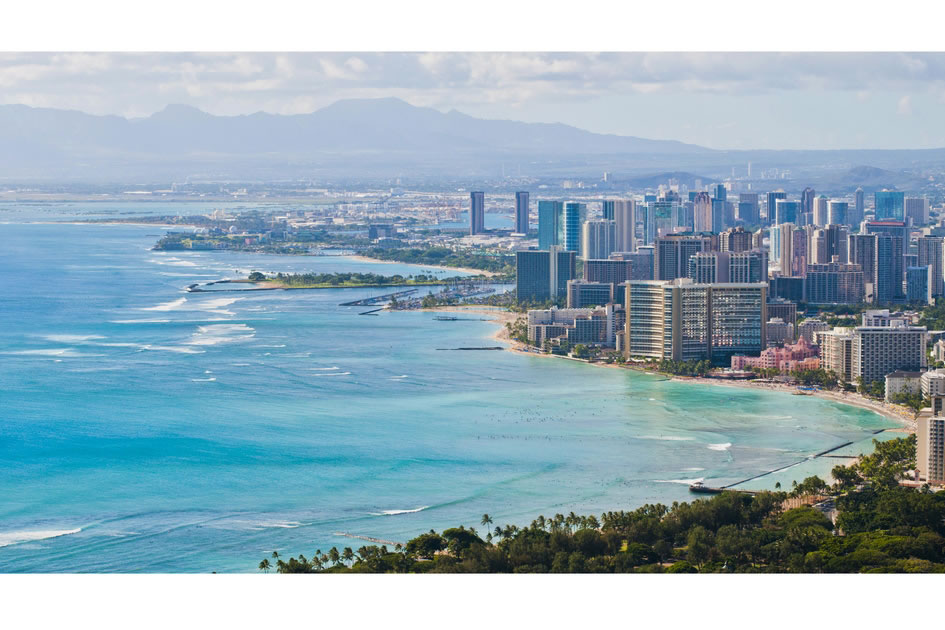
146	429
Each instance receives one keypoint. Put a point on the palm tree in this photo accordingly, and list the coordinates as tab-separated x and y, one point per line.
498	532
265	566
347	554
486	520
333	555
275	554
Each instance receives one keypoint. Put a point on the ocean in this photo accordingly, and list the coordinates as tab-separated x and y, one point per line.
145	429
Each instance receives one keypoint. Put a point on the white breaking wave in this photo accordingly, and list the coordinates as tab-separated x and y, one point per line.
139	321
14	538
687	482
332	373
667	438
720	447
204	380
221	333
52	352
282	524
396	512
334	367
694	469
397	378
173	305
71	338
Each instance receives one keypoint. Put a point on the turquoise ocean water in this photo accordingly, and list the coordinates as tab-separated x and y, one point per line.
146	429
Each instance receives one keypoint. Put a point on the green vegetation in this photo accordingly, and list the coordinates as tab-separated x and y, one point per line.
933	317
876	389
445	257
345	280
685	368
913	400
518	330
881	527
826	379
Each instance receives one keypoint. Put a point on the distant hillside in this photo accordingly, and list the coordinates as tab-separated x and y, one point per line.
381	130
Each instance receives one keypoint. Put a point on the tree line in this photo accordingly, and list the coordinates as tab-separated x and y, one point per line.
880	527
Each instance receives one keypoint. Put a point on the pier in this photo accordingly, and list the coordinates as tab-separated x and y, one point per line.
380	299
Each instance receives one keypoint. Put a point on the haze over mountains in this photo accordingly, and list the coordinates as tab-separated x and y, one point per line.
350	138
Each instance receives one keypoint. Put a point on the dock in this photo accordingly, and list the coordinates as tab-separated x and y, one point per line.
380	299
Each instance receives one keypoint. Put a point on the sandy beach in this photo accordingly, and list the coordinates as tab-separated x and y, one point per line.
502	317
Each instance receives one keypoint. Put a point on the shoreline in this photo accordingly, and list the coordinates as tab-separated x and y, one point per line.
903	418
476	272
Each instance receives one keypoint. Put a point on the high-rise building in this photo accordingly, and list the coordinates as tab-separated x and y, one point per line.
749	210
477	212
685	321
658	221
880	346
542	275
930	443
834	283
807	204
889	205
550	224
786	211
788	288
792	249
771	205
720	192
521	212
861	250
889	265
626	220
829	244
919	285
598	238
821	211
702	212
735	240
859	207
837	212
917	209
582	294
607	209
574	216
672	253
931	250
716	267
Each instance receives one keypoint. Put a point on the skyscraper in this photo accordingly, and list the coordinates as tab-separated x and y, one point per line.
574	215
917	209
859	207
685	321
748	209
806	213
889	205
672	253
542	275
931	254
786	211
598	239
820	211
837	212
521	212
626	220
861	250
477	212
889	264
919	285
550	224
772	203
702	212
607	209
659	217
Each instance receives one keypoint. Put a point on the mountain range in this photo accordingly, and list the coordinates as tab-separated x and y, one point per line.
364	139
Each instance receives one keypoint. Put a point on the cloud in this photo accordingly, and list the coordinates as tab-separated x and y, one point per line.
904	108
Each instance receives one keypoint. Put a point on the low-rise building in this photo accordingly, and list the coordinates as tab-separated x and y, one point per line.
933	383
900	382
595	326
789	358
808	327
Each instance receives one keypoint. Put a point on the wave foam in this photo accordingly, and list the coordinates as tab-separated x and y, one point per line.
214	334
14	538
687	482
720	447
71	338
667	438
173	305
332	373
396	512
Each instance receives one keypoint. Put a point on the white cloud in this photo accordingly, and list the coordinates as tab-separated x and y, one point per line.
904	108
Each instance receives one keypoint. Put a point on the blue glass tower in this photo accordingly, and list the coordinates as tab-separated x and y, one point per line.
889	205
550	223
574	214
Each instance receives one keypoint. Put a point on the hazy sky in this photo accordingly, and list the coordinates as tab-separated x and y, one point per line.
719	100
